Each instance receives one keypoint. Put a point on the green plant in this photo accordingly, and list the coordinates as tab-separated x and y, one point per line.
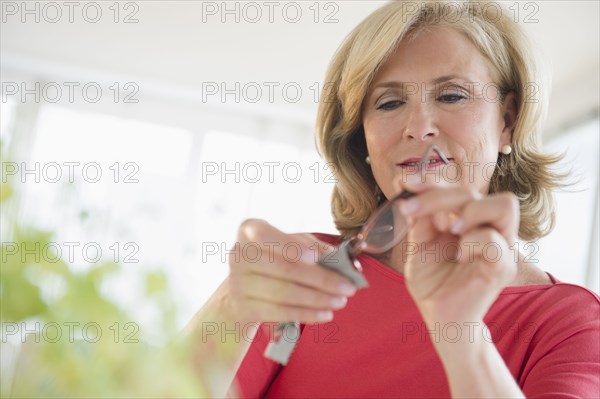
82	344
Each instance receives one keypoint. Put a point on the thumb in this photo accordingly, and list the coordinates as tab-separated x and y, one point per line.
313	249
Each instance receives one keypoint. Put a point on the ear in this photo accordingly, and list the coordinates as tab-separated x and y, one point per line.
509	112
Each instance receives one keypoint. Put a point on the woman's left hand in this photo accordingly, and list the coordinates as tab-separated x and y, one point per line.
458	252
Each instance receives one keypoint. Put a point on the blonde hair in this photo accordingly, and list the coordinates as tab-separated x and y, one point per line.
340	136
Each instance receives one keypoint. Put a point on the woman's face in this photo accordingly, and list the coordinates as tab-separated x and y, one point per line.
436	88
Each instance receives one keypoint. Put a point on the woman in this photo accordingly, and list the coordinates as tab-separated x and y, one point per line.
455	309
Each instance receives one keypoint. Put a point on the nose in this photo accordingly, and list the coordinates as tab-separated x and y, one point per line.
420	124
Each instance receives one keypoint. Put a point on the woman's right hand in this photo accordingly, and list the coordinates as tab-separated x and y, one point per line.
275	277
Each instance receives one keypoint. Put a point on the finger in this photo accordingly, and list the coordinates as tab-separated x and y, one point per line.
443	220
500	211
288	257
488	245
438	199
287	293
270	312
307	274
422	230
316	248
477	243
305	247
260	231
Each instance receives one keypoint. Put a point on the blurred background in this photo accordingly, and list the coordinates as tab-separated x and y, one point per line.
144	132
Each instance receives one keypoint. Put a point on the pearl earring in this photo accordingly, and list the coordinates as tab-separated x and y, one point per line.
506	149
368	160
378	193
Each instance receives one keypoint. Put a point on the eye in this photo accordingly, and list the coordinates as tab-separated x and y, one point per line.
451	98
390	105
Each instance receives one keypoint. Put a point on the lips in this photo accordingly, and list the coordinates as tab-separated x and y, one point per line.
413	163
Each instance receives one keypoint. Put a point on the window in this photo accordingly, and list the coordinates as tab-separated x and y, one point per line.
7	112
570	252
154	196
241	177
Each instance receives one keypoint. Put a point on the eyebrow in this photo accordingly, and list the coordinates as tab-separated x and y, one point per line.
396	84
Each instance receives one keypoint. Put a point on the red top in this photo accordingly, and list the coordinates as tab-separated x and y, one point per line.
378	345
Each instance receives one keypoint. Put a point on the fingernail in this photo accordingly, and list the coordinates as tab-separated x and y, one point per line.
457	226
338	302
347	289
324	315
409	206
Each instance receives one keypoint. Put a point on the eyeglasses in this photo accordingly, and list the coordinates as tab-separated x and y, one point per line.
388	226
384	229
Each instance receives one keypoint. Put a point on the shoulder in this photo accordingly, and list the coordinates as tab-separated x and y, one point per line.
575	295
555	295
561	344
556	311
562	309
548	324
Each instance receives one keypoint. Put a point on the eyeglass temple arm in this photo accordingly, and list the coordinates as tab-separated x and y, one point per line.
425	159
423	166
